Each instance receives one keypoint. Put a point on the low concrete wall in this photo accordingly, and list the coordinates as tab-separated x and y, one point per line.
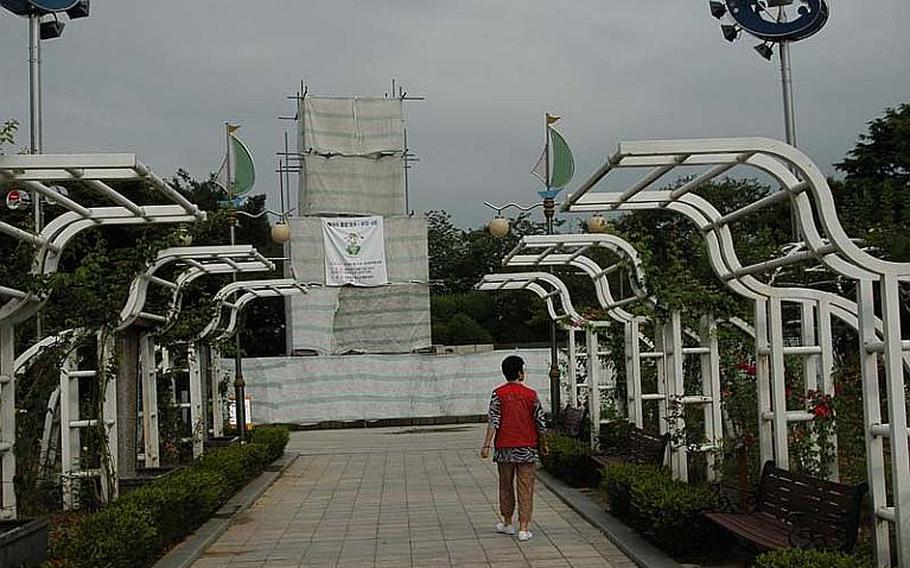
306	390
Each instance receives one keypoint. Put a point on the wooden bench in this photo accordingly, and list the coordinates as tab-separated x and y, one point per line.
794	510
639	447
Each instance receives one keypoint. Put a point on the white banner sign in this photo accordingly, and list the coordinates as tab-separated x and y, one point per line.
354	251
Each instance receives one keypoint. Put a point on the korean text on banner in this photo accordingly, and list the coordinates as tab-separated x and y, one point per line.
354	251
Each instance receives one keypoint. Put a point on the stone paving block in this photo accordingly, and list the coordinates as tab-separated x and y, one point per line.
381	498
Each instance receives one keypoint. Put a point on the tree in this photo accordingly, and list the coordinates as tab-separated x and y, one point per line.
874	198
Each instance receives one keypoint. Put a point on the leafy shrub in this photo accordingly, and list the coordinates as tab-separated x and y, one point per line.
803	558
132	531
181	502
617	480
668	512
236	463
570	460
123	535
274	437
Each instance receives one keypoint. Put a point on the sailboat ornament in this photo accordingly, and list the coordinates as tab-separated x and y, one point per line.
556	165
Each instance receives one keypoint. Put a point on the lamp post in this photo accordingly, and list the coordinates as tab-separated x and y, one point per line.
280	234
499	227
34	11
771	22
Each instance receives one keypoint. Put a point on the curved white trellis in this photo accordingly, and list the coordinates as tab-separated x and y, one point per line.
195	261
199	261
570	250
41	175
247	291
805	187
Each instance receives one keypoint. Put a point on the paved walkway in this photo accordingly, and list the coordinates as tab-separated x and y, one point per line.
400	498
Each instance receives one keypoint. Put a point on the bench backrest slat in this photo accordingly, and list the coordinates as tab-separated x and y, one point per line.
830	505
645	448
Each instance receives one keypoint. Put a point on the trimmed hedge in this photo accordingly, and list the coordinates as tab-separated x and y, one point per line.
570	460
274	437
802	558
667	512
134	530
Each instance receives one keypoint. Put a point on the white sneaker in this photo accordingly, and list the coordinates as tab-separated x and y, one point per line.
524	535
502	528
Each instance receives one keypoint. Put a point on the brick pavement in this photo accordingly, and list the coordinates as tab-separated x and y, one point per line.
400	498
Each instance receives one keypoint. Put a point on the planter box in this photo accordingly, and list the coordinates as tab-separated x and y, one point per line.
23	543
144	477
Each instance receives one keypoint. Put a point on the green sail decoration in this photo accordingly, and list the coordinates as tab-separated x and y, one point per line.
244	170
563	162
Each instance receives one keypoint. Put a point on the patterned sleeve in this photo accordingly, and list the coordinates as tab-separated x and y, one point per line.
540	418
495	413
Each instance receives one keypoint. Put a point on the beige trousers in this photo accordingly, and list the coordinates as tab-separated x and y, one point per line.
521	475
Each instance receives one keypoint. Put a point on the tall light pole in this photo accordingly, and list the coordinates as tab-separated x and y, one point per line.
772	22
34	11
554	169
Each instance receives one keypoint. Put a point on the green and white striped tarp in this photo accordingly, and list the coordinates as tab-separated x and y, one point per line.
352	126
371	387
352	185
387	319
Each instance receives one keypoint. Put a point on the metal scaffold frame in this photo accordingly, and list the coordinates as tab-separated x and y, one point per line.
804	186
42	175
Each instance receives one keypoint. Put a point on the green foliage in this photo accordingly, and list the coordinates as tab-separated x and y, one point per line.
124	535
570	460
807	558
872	200
458	260
235	463
133	531
184	499
667	512
275	438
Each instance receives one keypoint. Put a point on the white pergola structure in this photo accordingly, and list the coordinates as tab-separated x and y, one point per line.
549	288
668	350
192	262
243	292
824	240
42	175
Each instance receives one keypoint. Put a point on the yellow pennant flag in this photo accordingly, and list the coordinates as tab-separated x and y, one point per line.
551	118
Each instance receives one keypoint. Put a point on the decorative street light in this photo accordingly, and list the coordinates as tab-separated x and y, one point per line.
554	169
778	22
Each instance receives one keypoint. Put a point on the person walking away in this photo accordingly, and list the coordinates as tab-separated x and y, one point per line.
516	427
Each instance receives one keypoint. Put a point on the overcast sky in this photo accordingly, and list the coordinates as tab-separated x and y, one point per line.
159	78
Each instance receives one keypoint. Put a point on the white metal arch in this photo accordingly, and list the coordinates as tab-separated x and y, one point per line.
825	240
570	250
259	288
36	173
200	260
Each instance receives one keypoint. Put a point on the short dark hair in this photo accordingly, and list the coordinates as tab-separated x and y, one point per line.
512	366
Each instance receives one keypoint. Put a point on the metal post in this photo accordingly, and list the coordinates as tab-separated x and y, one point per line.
239	383
549	209
786	81
34	108
34	36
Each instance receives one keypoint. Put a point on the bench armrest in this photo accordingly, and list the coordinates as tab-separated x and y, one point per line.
735	500
808	531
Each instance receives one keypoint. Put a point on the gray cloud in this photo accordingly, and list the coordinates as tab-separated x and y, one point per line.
159	78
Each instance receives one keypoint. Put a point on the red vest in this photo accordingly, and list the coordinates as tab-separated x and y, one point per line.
517	427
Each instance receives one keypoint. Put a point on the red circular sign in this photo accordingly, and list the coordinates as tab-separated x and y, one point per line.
15	199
